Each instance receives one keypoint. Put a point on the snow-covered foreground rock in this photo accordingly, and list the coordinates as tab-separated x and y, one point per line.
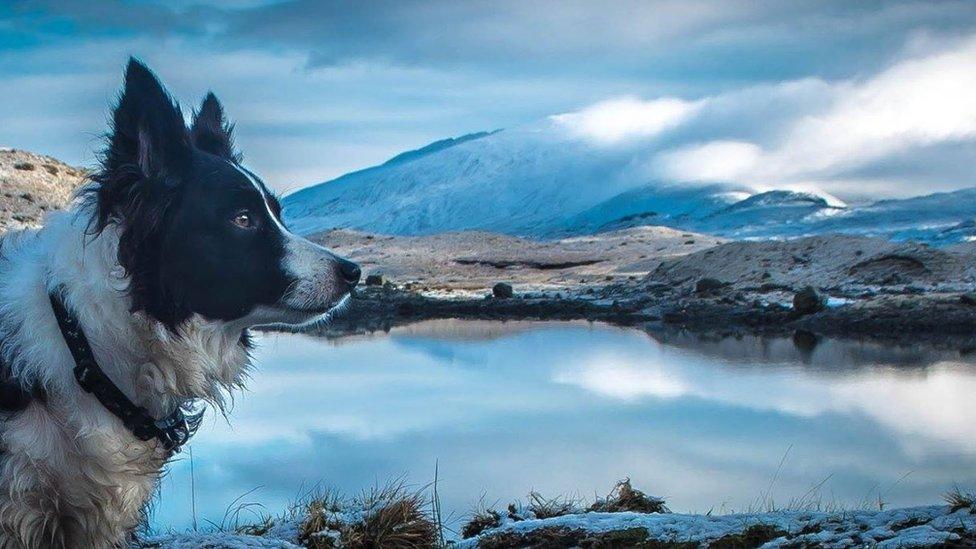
932	526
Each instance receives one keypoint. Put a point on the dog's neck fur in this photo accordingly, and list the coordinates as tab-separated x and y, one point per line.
71	474
155	367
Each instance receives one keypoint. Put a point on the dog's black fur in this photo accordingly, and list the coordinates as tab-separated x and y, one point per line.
177	194
173	252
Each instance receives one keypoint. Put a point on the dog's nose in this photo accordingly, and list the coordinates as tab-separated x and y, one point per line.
350	271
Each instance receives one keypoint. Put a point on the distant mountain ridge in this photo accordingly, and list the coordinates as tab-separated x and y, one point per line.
435	146
538	181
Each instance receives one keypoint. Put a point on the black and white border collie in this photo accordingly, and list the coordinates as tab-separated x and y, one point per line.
165	260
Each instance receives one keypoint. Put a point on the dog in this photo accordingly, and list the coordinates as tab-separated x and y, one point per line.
121	315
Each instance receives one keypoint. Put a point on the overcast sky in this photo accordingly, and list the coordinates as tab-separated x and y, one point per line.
859	96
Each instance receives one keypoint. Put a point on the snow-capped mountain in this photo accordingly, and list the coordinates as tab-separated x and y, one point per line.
940	218
532	181
542	181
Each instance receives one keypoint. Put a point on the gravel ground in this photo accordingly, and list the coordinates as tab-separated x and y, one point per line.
854	286
32	184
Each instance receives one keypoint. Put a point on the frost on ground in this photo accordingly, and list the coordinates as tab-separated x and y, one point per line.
394	518
911	527
391	517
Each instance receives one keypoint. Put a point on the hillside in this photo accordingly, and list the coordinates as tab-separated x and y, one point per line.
541	181
535	181
31	185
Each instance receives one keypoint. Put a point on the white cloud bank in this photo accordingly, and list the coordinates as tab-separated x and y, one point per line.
836	137
617	120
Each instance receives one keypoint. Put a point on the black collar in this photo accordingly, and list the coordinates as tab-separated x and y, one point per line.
172	431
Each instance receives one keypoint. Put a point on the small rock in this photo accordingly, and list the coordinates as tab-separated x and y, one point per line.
708	285
968	299
502	290
808	301
374	280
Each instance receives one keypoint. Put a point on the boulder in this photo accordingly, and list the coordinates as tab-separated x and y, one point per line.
808	301
708	285
502	290
374	280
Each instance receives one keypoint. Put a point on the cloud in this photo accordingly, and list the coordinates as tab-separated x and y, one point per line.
712	161
832	136
914	103
323	88
574	408
612	121
912	405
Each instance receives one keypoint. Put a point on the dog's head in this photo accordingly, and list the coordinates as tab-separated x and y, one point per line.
198	232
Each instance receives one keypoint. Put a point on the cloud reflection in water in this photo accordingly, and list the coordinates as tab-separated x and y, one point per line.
571	407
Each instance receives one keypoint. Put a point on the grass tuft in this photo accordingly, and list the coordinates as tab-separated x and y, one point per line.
957	500
482	520
544	508
625	497
390	517
256	529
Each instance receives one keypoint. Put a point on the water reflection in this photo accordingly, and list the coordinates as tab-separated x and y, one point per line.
571	407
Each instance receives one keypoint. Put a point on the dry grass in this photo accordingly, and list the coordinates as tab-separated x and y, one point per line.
389	517
480	521
625	497
957	499
544	508
256	529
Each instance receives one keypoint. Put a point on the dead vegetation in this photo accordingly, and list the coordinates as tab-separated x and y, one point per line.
542	507
480	521
958	500
391	517
623	498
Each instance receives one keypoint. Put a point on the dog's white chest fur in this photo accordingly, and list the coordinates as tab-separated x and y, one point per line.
71	474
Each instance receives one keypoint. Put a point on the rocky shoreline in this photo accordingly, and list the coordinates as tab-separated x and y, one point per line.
658	279
931	317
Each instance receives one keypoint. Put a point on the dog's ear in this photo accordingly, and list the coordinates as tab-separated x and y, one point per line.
148	130
211	132
148	157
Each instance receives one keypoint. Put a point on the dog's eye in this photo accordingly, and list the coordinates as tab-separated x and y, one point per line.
243	220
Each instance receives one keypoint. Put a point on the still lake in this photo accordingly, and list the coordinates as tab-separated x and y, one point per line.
569	408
